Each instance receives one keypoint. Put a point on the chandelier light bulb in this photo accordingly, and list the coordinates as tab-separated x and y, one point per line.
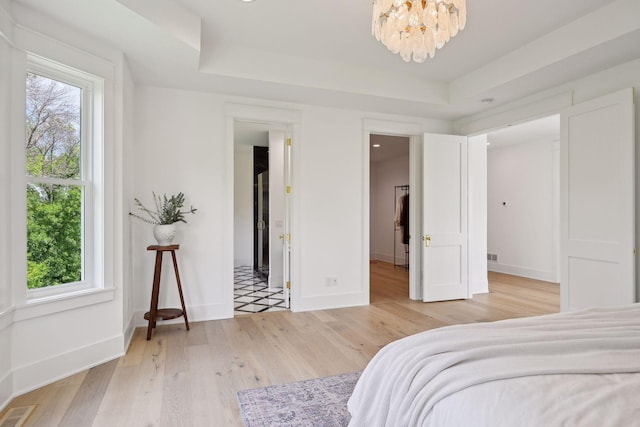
416	28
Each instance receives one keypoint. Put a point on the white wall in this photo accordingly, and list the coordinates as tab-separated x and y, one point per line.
127	185
243	206
5	215
385	175
51	339
180	135
276	207
478	280
5	167
331	214
328	207
521	232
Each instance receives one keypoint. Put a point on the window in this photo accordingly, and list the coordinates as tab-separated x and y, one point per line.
58	156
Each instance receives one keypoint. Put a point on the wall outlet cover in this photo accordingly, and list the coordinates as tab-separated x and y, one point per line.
331	281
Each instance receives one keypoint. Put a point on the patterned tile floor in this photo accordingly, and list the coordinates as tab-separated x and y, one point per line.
251	293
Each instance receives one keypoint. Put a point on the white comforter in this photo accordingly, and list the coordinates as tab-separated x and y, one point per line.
580	368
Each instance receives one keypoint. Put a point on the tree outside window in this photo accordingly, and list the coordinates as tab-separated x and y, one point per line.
54	182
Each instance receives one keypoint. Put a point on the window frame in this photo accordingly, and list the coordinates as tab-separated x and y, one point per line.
91	143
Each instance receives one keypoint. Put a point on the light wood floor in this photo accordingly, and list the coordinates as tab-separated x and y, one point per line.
182	378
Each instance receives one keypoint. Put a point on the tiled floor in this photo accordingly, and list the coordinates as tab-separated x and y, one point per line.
252	295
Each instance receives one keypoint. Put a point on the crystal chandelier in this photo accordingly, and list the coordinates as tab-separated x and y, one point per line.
416	28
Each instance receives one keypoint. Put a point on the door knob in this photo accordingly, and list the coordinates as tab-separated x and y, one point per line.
427	240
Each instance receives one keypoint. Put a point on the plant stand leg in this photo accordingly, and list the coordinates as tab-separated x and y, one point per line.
184	309
155	292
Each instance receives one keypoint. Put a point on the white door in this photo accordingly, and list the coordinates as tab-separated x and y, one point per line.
286	241
444	265
276	207
598	203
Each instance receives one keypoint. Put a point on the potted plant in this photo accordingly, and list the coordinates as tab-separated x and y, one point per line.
167	212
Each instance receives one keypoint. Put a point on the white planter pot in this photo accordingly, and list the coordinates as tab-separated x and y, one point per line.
164	233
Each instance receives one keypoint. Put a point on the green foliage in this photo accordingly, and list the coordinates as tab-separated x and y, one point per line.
54	239
167	210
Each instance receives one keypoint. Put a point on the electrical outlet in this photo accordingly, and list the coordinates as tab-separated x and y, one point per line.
331	281
494	257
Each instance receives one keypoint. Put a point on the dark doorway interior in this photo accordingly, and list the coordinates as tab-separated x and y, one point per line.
261	210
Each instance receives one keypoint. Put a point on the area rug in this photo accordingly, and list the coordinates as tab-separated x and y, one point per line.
319	402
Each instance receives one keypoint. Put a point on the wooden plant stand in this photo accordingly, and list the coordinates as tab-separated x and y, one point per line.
154	314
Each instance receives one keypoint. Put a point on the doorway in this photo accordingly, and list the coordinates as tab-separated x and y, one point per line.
523	196
259	218
389	217
597	220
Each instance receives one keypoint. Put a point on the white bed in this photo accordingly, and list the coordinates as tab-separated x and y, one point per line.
569	369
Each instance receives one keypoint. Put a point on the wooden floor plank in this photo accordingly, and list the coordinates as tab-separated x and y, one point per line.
116	408
149	386
176	395
84	407
181	378
54	401
209	390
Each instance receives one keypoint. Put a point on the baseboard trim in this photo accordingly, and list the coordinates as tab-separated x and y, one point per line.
6	390
332	301
400	261
197	313
275	281
515	270
128	333
30	377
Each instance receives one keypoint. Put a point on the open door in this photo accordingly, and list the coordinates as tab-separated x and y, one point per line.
276	207
445	237
597	194
286	241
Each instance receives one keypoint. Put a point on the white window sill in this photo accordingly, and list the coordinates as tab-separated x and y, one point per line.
51	292
50	304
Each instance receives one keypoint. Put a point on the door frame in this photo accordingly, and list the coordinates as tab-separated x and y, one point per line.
546	107
281	118
552	105
414	132
472	129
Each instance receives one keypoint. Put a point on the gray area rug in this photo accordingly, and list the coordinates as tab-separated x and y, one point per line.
319	402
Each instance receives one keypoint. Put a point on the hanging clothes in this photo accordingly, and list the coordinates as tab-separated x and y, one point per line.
398	214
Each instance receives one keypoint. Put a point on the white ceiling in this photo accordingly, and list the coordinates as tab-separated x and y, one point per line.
390	147
322	52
